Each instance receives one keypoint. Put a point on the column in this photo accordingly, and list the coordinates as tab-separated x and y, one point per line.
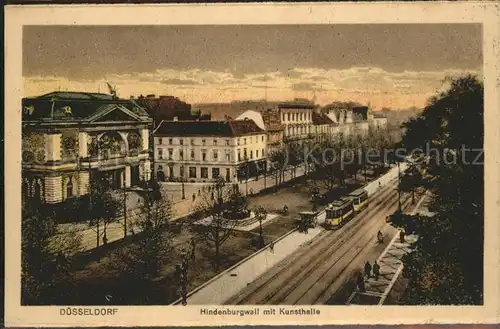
82	144
53	189
53	147
127	176
145	139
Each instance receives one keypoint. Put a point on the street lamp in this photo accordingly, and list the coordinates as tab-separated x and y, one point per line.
261	213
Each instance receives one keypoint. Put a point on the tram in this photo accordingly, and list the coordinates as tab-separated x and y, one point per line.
339	212
359	199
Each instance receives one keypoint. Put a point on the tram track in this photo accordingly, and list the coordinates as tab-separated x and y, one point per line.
308	293
298	288
307	258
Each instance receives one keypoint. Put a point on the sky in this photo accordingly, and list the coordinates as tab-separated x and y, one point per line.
395	65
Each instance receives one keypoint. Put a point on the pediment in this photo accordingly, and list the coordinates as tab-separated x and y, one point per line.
116	114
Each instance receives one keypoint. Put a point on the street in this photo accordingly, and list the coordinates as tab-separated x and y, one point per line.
308	276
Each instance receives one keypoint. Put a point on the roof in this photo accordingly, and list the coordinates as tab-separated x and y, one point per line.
77	106
341	203
272	120
253	115
297	104
208	128
321	119
358	192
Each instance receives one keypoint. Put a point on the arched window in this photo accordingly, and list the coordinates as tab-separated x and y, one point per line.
69	189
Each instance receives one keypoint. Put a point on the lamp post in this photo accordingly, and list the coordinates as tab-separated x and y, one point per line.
262	215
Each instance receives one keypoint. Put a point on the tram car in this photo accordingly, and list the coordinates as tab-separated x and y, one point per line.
359	199
339	212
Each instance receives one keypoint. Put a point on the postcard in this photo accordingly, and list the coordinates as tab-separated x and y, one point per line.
252	164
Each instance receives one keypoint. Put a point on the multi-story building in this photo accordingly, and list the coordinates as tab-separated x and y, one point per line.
268	120
323	127
296	117
68	137
200	151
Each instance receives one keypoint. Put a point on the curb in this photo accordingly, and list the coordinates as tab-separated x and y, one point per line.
195	290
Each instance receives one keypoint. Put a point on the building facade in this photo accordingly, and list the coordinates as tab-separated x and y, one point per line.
200	151
268	120
70	137
296	117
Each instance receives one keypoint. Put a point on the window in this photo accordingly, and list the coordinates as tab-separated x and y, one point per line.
238	141
257	153
215	142
69	189
263	154
192	141
170	141
192	172
204	172
192	154
215	172
227	141
282	116
160	140
228	155
204	155
160	154
181	141
170	154
216	154
262	138
244	141
251	140
181	154
251	154
245	156
182	171
203	142
288	116
160	167
239	156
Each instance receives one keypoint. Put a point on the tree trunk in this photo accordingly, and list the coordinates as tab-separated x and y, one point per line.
217	255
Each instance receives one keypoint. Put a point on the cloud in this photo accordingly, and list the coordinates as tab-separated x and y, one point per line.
393	89
305	86
179	82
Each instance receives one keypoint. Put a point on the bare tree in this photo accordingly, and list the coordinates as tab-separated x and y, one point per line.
217	203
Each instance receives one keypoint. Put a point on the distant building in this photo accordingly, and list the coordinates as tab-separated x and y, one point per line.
296	116
323	127
200	151
268	120
169	108
380	120
68	137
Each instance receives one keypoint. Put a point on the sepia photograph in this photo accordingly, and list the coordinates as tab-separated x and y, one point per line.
219	166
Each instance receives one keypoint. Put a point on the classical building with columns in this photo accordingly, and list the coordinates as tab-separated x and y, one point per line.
68	137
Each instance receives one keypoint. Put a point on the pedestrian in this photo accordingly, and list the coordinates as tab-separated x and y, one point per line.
379	185
368	269
360	282
271	246
376	270
402	236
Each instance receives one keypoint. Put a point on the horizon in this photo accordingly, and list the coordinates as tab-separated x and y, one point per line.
385	65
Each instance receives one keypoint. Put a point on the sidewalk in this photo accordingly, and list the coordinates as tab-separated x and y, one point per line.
391	267
227	284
